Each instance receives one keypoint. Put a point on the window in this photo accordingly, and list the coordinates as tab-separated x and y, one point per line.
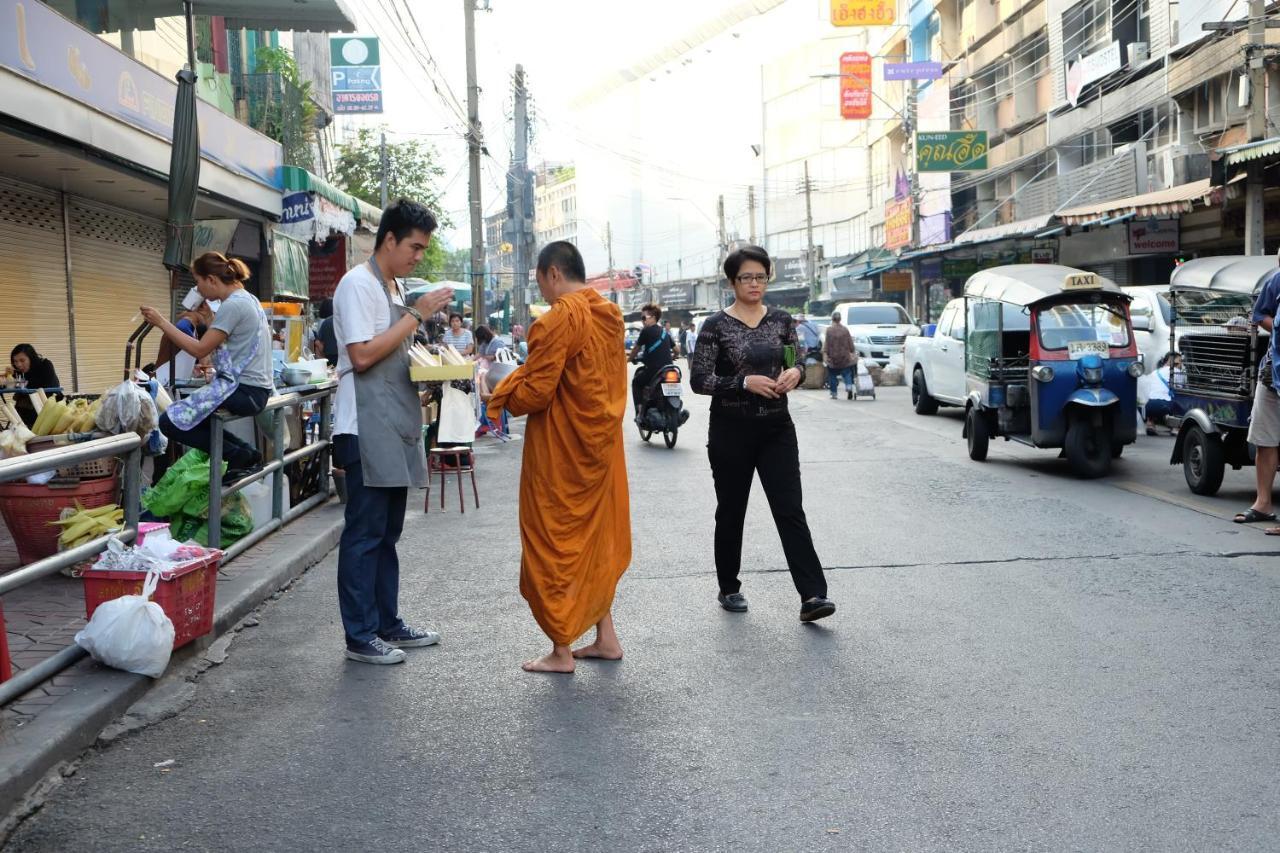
1084	26
876	315
1062	325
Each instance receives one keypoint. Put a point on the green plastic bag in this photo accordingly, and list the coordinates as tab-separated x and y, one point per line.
182	496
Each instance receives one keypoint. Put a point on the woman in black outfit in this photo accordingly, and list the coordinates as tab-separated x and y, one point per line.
739	360
34	371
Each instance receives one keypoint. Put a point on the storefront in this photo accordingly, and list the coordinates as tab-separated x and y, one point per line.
326	221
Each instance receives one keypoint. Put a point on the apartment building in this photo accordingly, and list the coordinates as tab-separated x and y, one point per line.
556	203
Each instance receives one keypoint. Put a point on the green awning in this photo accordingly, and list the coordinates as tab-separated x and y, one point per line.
297	179
290	268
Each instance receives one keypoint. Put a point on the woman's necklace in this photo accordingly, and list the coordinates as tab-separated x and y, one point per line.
739	313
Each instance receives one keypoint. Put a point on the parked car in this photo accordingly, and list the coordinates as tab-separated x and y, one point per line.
1150	313
879	329
936	363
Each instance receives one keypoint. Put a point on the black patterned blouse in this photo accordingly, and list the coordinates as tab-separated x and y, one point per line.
728	351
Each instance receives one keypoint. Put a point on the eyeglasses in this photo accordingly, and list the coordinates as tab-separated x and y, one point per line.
753	278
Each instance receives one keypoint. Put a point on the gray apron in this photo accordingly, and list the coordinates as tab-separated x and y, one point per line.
389	416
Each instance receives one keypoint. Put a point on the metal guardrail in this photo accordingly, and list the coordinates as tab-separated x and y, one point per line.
129	446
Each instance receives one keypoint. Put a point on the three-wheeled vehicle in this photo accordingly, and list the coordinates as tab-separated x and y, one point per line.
1211	387
1050	361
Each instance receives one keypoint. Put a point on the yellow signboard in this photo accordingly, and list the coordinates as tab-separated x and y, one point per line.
896	282
897	223
1082	281
863	13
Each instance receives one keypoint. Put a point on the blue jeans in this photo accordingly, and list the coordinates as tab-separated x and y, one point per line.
1157	410
368	567
833	378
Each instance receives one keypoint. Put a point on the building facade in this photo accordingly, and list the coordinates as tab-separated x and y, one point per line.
556	203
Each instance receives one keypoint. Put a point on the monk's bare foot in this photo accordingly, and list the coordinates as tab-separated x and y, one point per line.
550	663
599	651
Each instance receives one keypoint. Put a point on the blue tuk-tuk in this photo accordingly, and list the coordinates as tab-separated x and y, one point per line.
1050	361
1211	386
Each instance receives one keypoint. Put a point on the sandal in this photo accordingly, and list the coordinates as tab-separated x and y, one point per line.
1272	531
1251	515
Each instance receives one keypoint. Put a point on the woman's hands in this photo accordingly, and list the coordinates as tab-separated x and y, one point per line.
152	316
772	389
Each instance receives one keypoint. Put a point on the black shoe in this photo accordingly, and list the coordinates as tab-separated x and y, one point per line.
849	394
818	608
235	475
734	602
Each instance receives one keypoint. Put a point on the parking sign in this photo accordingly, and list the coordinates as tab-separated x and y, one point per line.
357	74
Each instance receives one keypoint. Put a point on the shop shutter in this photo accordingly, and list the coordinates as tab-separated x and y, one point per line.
1117	271
116	266
33	275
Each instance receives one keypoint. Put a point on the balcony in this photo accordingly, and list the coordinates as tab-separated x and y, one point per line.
273	106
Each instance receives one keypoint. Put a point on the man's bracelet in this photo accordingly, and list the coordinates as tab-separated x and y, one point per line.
413	312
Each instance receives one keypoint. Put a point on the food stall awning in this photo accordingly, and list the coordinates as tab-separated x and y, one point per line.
317	16
1258	150
297	179
1169	202
290	268
1020	228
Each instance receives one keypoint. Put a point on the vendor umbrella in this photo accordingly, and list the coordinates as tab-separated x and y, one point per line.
184	175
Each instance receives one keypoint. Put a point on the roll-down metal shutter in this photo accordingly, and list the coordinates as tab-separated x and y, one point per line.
116	266
33	275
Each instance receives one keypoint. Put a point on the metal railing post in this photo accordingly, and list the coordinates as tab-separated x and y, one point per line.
326	435
277	477
215	481
131	495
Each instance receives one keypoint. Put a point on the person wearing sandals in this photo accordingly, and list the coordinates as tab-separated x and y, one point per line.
746	359
1264	420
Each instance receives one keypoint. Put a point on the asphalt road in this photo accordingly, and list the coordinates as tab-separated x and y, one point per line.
1021	660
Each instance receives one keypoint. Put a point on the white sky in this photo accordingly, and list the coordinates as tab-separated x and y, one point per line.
687	133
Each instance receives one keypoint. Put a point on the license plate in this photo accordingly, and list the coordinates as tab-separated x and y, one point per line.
1078	349
671	389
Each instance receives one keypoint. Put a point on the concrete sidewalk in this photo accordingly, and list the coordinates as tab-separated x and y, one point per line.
58	720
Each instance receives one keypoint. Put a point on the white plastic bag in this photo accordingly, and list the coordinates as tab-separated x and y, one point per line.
131	632
457	418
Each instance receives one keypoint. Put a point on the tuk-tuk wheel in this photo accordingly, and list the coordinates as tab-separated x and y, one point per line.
976	431
1088	448
1203	461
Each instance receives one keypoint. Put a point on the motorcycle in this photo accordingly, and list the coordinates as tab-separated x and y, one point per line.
661	409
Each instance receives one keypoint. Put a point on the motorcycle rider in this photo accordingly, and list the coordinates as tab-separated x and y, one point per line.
652	350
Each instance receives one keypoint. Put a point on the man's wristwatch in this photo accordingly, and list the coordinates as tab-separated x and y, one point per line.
413	312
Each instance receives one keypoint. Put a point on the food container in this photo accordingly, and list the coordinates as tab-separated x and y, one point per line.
443	373
292	376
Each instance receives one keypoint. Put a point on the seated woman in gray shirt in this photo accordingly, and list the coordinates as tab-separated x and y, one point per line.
240	341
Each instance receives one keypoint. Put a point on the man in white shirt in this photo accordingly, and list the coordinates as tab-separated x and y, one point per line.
377	431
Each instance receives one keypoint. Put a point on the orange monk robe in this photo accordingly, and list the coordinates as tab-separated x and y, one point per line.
575	509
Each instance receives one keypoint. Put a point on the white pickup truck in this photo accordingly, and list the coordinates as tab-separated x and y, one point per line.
936	364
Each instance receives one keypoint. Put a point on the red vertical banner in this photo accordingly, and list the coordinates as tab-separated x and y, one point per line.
855	85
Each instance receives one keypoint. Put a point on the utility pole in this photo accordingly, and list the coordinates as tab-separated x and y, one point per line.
474	142
382	167
751	206
811	262
919	297
520	217
724	241
1255	185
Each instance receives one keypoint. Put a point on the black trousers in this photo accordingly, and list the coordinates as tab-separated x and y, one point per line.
245	400
739	448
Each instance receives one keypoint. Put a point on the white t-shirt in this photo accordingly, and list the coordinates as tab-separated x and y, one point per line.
360	313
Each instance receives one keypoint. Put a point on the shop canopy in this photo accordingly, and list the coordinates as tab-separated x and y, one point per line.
1263	149
290	268
317	16
1019	228
297	179
1170	202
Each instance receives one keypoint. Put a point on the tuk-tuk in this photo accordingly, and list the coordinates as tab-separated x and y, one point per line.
1211	387
1050	361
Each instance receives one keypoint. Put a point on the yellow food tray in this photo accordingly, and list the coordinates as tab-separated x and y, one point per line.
443	373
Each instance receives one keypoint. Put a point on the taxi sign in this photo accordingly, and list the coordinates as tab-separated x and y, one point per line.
1082	281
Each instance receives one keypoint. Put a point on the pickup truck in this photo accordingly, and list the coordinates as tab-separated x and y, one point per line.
936	364
879	329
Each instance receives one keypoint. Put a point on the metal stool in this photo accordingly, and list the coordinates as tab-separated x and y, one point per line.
460	460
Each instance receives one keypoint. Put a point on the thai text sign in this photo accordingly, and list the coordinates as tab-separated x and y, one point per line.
912	71
357	74
863	13
951	151
855	85
897	224
895	282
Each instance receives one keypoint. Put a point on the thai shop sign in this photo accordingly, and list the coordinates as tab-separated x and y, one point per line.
1087	69
959	267
951	151
1153	237
897	224
855	85
357	74
863	13
895	282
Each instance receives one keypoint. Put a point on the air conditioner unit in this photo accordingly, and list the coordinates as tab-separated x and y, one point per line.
1139	53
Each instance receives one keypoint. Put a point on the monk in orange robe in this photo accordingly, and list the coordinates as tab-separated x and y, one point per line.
575	509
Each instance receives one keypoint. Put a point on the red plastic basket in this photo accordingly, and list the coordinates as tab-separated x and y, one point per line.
27	510
185	594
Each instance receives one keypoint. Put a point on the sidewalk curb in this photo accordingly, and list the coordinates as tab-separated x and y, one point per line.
72	724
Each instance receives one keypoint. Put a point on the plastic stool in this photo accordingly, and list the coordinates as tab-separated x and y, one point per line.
460	460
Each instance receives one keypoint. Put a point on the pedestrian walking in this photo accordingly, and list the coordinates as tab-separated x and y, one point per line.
378	431
239	340
575	514
745	358
839	356
1264	419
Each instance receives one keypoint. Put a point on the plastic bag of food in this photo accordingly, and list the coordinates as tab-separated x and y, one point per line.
131	632
182	496
128	408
